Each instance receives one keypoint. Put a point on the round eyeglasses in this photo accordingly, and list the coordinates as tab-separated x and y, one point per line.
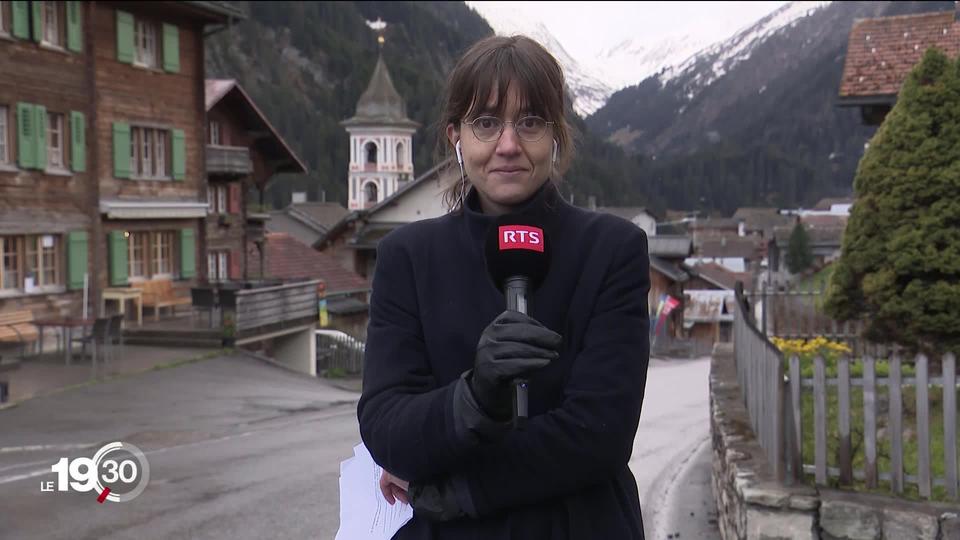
528	128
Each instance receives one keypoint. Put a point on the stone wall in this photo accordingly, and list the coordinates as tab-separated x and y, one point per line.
753	505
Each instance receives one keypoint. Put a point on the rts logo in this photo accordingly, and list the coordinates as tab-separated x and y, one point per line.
521	237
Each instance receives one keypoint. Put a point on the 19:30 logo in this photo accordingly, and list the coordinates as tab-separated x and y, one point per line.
119	479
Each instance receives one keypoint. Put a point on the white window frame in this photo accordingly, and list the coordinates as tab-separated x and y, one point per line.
55	134
218	265
16	255
162	265
24	248
160	154
137	244
51	10
145	43
222	199
214	133
146	153
4	139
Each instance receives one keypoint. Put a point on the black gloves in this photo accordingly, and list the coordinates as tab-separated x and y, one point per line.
436	502
511	346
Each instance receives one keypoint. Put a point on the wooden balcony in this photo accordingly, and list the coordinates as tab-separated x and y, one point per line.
228	161
273	310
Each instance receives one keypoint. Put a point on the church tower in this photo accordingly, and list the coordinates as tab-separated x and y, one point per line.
381	142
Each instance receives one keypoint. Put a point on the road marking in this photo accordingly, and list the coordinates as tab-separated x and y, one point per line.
43	447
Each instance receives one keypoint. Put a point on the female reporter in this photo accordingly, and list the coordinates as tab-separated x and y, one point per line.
442	351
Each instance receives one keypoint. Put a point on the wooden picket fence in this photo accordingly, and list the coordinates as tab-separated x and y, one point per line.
863	424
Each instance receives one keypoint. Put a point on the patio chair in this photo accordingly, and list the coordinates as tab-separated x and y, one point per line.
98	337
204	299
115	334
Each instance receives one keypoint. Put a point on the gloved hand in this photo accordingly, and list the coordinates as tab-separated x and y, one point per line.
435	502
511	346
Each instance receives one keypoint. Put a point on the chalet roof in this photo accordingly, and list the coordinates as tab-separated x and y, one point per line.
288	258
670	246
228	93
213	11
281	222
668	269
827	202
714	223
719	275
365	213
729	247
381	104
882	51
320	215
762	219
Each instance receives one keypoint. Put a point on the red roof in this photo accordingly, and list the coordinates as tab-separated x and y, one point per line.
289	258
882	51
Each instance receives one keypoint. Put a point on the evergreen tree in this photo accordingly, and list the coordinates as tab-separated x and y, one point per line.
900	265
799	254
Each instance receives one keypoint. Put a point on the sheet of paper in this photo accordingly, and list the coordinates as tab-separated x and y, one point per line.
364	513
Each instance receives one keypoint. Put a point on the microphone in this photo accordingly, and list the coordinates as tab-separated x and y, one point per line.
517	261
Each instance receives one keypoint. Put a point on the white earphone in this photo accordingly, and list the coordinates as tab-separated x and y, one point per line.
555	146
463	179
459	155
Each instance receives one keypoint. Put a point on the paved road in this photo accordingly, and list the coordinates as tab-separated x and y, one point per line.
671	454
241	449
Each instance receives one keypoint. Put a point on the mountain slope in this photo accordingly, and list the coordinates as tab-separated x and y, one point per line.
752	120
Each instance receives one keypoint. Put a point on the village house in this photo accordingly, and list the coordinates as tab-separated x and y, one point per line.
243	151
102	161
306	221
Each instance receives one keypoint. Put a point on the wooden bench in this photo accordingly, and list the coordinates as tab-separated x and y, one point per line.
159	293
17	327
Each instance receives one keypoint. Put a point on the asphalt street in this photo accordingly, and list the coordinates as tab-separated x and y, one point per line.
241	449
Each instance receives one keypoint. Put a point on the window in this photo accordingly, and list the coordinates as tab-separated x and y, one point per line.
52	21
218	265
163	253
148	152
11	261
4	145
371	151
136	254
214	132
30	261
55	140
145	44
217	199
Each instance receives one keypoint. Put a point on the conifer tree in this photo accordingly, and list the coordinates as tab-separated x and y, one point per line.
799	255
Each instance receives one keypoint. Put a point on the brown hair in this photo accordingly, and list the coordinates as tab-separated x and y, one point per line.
494	64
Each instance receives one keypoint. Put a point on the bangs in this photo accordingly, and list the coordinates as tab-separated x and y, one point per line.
502	71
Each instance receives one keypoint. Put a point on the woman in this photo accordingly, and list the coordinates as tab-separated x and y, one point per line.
442	351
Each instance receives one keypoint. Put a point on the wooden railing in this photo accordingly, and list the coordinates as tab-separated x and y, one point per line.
276	307
760	374
846	402
872	420
228	160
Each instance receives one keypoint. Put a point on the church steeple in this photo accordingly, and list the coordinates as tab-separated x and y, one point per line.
381	150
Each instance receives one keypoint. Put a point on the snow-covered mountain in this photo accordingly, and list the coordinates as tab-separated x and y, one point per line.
589	91
630	61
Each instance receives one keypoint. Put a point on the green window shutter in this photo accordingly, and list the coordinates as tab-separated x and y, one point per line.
37	20
76	258
21	19
188	254
78	141
121	150
179	155
171	48
74	27
26	140
118	259
124	37
40	141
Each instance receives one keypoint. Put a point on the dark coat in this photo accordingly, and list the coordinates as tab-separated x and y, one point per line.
566	475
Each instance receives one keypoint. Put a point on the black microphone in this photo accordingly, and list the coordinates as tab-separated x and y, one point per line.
517	260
